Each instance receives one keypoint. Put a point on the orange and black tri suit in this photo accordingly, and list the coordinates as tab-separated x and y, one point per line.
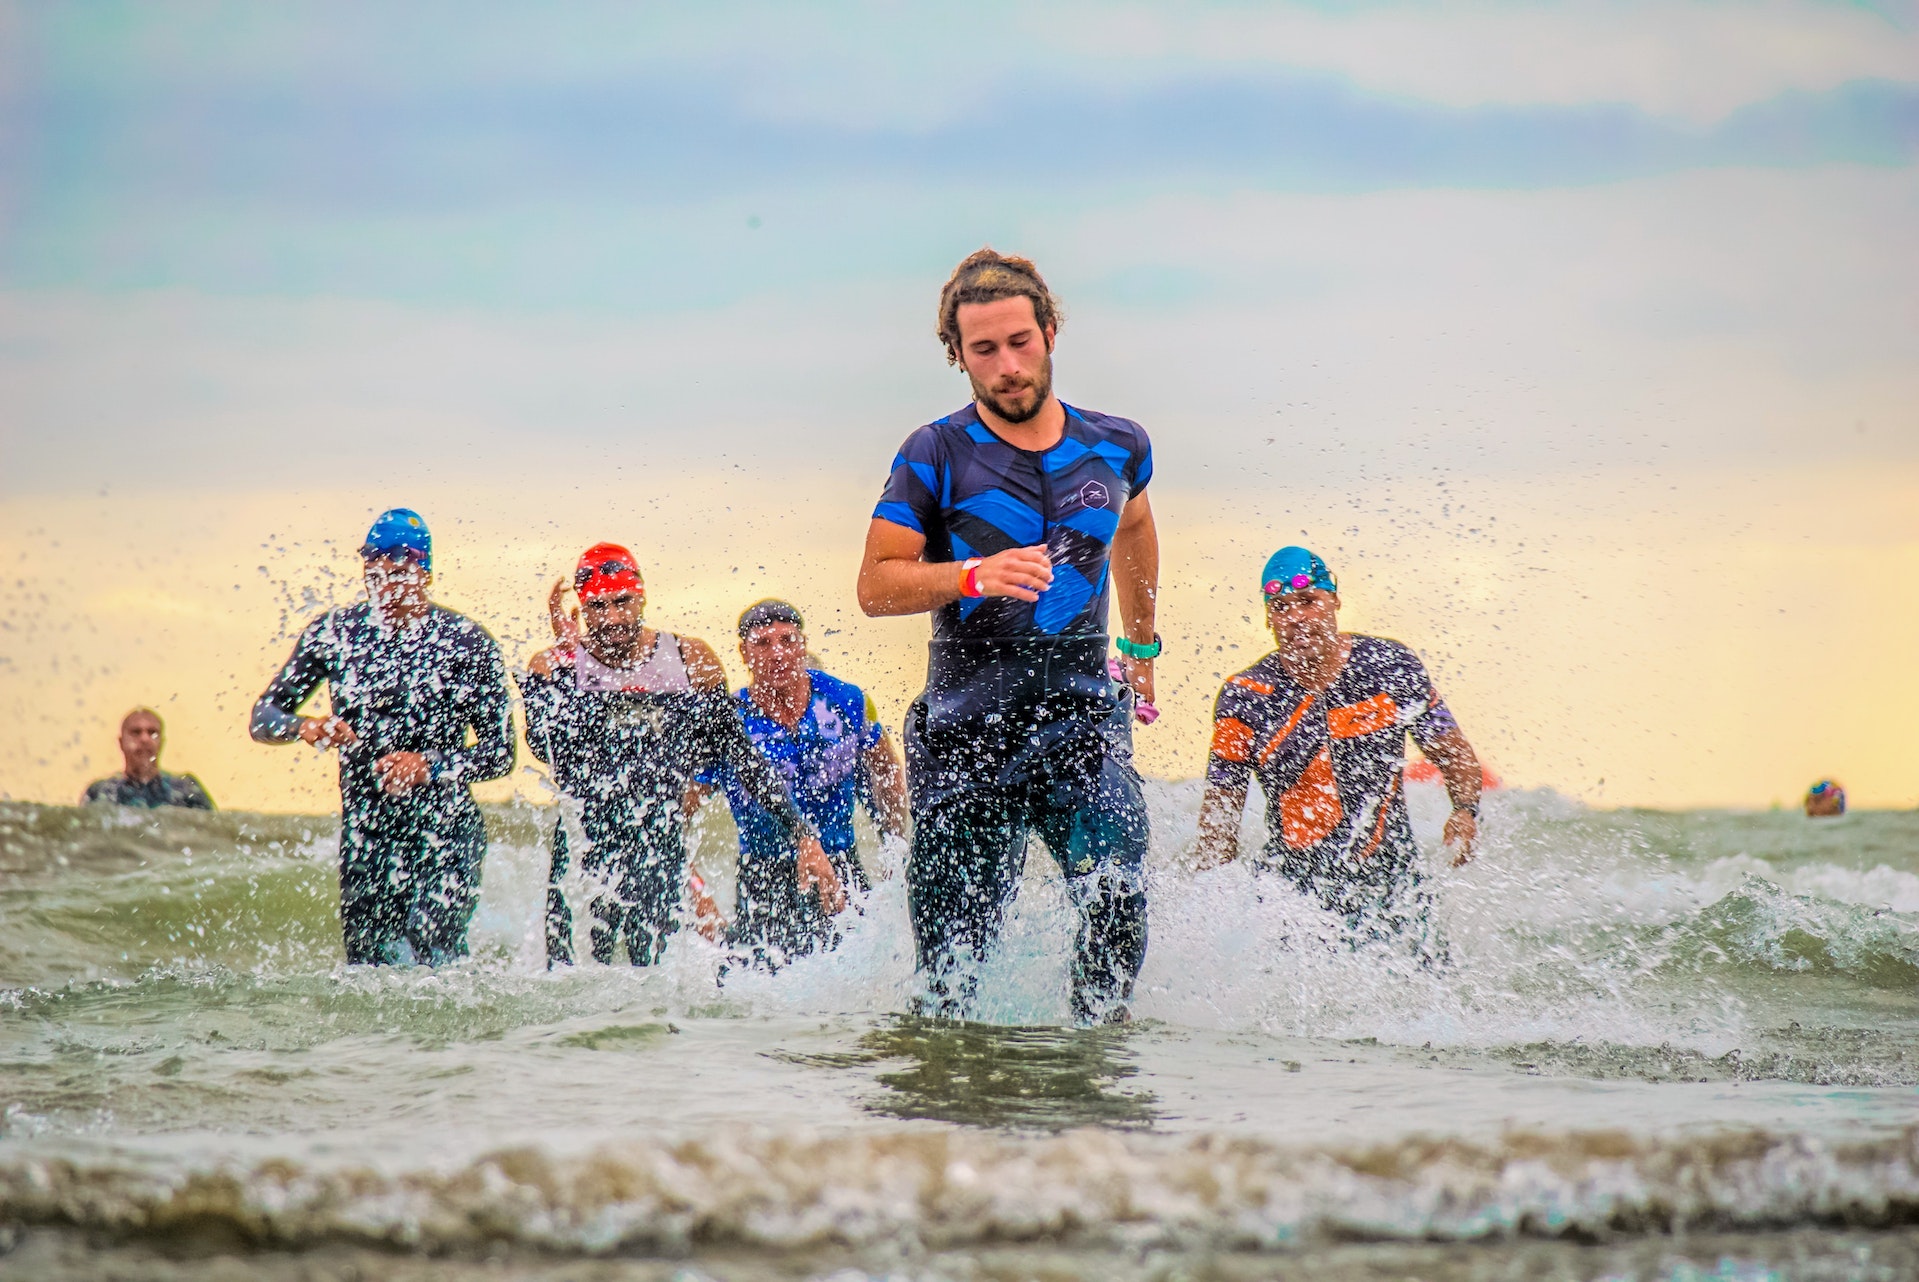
1330	765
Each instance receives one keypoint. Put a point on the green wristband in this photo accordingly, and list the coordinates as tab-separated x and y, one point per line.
1133	650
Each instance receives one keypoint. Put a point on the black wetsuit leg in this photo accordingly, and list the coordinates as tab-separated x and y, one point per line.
1098	837
1059	773
967	855
376	889
559	917
446	880
639	899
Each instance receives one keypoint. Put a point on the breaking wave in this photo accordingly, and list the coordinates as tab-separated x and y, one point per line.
940	1189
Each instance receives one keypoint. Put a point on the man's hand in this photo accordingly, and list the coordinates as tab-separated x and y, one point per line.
816	871
327	732
566	626
402	772
1139	675
1462	833
1021	573
706	913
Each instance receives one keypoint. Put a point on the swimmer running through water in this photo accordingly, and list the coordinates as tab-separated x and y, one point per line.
408	680
1003	520
1322	721
821	734
626	716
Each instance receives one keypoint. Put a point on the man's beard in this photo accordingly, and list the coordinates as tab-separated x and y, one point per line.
615	642
1042	390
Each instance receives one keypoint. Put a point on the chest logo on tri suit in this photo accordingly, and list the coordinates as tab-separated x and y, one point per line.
1093	494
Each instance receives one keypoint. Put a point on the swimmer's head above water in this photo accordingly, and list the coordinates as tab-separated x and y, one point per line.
612	596
1825	800
397	562
772	642
997	321
1302	601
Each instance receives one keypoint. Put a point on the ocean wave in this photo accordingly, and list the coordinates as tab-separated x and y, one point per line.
1761	925
940	1188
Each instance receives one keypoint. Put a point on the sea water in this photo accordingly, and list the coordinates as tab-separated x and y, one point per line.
1667	1045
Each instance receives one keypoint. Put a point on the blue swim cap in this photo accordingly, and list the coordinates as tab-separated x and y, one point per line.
1291	569
400	531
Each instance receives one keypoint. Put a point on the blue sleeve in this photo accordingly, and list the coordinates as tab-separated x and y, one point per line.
1142	462
913	490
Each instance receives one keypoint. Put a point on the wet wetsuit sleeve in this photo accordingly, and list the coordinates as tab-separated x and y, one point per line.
915	486
1434	723
276	717
489	712
726	736
871	731
1422	711
194	795
1229	763
540	695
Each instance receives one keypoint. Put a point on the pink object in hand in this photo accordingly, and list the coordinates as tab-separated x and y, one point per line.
1146	712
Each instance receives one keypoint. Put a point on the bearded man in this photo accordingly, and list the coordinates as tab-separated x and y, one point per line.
1013	521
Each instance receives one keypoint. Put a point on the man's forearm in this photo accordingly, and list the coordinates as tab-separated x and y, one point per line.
1459	766
899	586
1136	578
1219	819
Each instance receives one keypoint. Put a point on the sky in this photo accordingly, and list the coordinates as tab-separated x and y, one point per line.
1583	339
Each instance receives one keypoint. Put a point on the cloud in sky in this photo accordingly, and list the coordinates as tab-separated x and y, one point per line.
390	152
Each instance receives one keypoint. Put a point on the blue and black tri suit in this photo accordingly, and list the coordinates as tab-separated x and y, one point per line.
1020	729
409	866
819	758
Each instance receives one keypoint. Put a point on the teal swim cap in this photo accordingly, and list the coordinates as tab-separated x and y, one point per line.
1293	568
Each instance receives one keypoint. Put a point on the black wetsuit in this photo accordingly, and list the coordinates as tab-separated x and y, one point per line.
625	758
409	866
162	790
1020	729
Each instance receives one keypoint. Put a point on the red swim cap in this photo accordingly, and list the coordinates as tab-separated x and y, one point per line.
604	568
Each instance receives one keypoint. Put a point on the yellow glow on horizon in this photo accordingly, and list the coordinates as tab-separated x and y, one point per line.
1727	647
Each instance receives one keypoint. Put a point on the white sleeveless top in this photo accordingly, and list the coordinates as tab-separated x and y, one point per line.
664	671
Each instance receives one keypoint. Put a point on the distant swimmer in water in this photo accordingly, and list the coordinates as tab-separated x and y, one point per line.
1825	800
1322	721
627	716
1013	521
408	681
821	734
143	783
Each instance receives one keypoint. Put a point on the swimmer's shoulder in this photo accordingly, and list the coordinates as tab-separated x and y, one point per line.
1391	665
1261	680
703	667
551	661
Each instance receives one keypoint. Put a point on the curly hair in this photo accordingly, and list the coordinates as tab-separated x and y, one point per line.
987	276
